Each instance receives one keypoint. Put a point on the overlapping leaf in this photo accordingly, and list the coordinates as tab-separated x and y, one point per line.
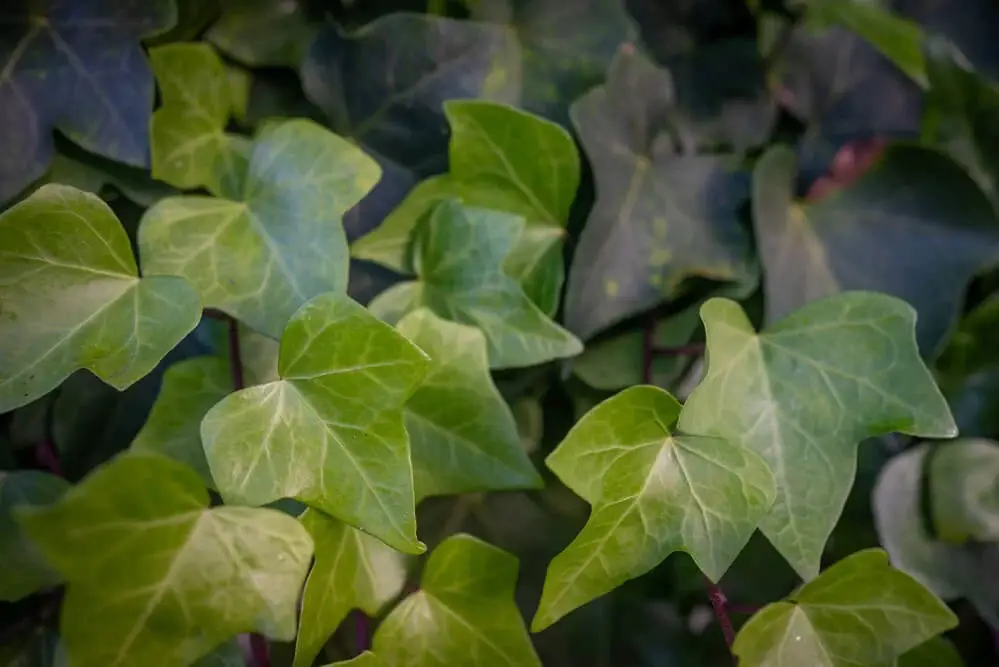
463	614
964	491
366	659
171	579
937	652
915	226
463	435
660	216
458	253
261	258
23	569
71	297
352	570
263	33
653	492
93	174
330	432
804	392
860	611
76	67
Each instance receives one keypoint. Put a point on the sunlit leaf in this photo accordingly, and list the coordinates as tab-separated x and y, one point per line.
23	569
964	491
263	33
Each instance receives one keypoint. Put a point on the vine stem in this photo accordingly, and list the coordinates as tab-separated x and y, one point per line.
361	631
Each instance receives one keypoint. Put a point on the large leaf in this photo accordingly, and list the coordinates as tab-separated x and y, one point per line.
330	432
964	491
914	226
263	33
72	298
384	85
653	492
463	614
660	216
352	570
140	549
458	254
261	258
463	435
861	611
23	569
837	371
76	67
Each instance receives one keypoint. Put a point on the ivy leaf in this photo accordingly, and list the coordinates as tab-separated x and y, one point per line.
352	571
861	611
964	491
937	652
189	145
366	659
837	371
940	228
190	389
261	258
23	569
458	255
330	432
77	67
147	516
92	174
263	33
72	298
463	435
660	216
491	167
463	614
384	85
653	492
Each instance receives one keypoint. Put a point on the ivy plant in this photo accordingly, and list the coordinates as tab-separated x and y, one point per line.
496	333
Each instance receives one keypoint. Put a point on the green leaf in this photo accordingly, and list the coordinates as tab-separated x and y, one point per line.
366	659
861	611
263	33
915	201
804	392
190	389
23	569
458	254
463	614
136	541
188	142
964	491
261	258
78	68
72	298
653	492
352	571
660	215
330	432
463	435
937	652
504	159
92	174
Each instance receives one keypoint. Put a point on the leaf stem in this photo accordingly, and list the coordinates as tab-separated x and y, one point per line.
689	350
719	603
361	631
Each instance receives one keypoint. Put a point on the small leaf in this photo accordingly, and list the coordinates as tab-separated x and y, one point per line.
23	569
653	492
937	652
93	174
261	258
136	541
71	297
463	614
77	67
263	33
858	612
352	571
837	371
964	491
458	254
462	433
330	432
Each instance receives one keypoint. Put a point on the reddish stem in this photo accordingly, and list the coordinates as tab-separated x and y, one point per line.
260	651
361	631
45	455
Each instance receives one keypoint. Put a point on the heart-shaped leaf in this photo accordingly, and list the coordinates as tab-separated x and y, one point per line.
964	491
330	432
23	569
71	297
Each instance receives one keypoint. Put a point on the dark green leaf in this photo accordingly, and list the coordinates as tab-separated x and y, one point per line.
263	33
91	173
937	652
964	491
23	569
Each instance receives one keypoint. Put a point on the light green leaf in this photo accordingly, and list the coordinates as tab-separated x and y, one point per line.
23	569
859	612
462	433
366	659
263	33
171	579
804	392
653	492
188	142
71	297
964	491
330	432
458	254
352	571
190	389
261	258
463	614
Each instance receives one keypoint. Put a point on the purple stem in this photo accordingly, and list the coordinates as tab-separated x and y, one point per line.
45	455
361	631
